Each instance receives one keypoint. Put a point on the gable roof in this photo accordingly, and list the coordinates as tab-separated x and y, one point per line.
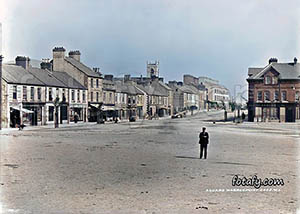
67	80
46	77
288	71
129	88
80	66
18	75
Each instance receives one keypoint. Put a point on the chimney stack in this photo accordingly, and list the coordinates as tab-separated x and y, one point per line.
23	61
75	55
108	77
46	64
273	60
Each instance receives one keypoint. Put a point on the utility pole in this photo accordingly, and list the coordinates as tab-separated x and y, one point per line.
1	92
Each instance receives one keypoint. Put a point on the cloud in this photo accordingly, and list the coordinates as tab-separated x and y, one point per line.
220	39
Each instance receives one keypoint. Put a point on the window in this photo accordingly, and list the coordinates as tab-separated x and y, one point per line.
73	95
97	83
92	98
50	94
83	96
78	95
267	80
276	95
64	95
32	93
104	96
39	93
274	80
259	96
297	96
283	96
97	97
92	81
24	93
57	92
267	96
110	97
14	92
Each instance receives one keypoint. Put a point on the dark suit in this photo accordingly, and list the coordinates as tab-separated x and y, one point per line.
203	141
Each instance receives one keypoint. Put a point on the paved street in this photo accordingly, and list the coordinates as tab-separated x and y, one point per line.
148	167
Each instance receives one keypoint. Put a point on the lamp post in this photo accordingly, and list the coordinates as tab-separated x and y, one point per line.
1	92
100	114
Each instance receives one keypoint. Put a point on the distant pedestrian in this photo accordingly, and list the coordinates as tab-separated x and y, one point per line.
203	141
76	118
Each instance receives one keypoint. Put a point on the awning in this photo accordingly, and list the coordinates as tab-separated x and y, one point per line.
108	108
94	105
23	110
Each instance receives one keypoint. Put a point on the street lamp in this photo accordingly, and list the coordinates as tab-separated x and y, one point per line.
100	114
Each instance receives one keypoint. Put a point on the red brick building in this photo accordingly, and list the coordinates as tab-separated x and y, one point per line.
274	92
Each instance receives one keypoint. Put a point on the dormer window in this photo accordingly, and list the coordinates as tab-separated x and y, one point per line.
274	80
268	80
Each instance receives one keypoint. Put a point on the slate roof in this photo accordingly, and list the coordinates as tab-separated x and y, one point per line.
46	77
128	88
289	71
67	80
88	71
154	89
18	75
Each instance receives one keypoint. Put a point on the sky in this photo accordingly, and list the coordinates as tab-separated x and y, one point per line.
216	38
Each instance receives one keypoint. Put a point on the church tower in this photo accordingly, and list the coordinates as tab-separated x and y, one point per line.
153	69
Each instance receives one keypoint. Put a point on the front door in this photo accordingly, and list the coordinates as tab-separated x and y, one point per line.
290	114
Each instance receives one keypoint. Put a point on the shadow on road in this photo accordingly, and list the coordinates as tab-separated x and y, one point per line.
246	164
187	157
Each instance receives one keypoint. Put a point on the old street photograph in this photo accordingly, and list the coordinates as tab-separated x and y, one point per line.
149	107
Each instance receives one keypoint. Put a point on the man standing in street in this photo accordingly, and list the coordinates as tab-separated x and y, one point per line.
203	141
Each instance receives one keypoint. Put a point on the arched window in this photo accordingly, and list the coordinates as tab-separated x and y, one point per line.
267	96
297	96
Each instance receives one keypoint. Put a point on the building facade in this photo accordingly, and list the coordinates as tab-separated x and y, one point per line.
29	95
274	92
89	78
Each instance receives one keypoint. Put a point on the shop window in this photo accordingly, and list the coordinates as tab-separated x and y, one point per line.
51	113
